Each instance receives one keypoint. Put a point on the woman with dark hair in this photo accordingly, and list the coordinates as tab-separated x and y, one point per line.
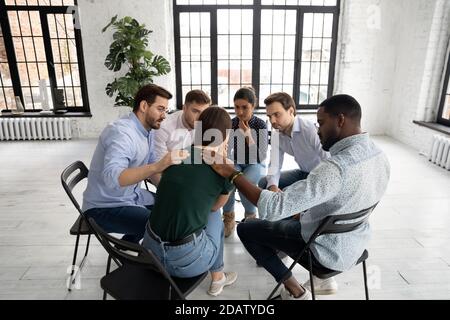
185	229
248	149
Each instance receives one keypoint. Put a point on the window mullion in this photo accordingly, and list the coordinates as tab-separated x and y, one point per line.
298	52
214	54
11	55
179	87
333	52
256	61
48	54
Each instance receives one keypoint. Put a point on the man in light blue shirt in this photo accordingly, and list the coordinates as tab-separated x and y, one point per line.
354	178
113	197
294	136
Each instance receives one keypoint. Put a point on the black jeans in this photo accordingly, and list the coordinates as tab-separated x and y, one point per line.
287	178
263	239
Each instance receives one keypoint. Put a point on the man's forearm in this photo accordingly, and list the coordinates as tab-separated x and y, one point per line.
249	190
131	176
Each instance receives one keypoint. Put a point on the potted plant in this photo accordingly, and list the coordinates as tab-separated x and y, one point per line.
129	48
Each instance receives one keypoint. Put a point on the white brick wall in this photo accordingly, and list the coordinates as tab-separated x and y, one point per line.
421	56
94	15
394	71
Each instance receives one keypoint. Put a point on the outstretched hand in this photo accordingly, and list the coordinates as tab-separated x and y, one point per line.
219	162
172	158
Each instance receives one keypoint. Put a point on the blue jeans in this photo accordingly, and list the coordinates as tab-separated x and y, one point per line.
253	173
263	239
130	221
204	253
287	178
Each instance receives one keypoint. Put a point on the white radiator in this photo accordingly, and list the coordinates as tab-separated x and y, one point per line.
440	151
35	129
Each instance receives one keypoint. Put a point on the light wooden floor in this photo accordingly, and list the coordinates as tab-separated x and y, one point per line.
409	252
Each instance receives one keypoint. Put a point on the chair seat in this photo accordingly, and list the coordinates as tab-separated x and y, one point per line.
85	229
324	273
136	283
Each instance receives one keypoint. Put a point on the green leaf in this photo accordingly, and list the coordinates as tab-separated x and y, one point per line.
113	20
161	64
129	49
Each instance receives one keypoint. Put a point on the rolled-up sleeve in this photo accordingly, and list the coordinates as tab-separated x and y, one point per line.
263	138
152	157
119	150
322	184
158	147
276	162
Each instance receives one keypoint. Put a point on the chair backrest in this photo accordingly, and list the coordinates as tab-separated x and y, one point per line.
122	251
343	223
69	180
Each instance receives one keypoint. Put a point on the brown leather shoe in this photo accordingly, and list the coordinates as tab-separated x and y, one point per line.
229	223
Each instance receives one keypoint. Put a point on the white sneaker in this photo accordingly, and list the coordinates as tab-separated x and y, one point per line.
323	287
216	287
286	295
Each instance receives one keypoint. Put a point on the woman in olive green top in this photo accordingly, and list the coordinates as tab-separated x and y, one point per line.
185	228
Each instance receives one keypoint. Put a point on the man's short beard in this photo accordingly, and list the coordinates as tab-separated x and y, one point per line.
329	143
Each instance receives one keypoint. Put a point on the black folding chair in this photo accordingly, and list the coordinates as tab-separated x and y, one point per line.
69	179
330	225
140	275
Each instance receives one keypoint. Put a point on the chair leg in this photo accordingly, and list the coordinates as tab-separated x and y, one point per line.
87	245
108	267
271	296
311	276
74	260
365	280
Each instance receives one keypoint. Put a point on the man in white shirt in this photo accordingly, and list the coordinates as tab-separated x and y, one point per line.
177	131
292	135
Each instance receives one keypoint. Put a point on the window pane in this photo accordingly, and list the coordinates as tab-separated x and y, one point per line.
246	72
235	52
196	73
266	21
264	92
277	72
206	49
206	73
184	24
31	56
305	74
195	49
288	73
324	73
266	69
5	76
328	25
223	72
6	92
39	2
278	47
62	30
186	72
194	24
205	24
446	110
278	51
278	42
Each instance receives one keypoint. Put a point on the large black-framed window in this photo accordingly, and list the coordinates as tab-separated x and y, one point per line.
272	45
444	107
41	40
